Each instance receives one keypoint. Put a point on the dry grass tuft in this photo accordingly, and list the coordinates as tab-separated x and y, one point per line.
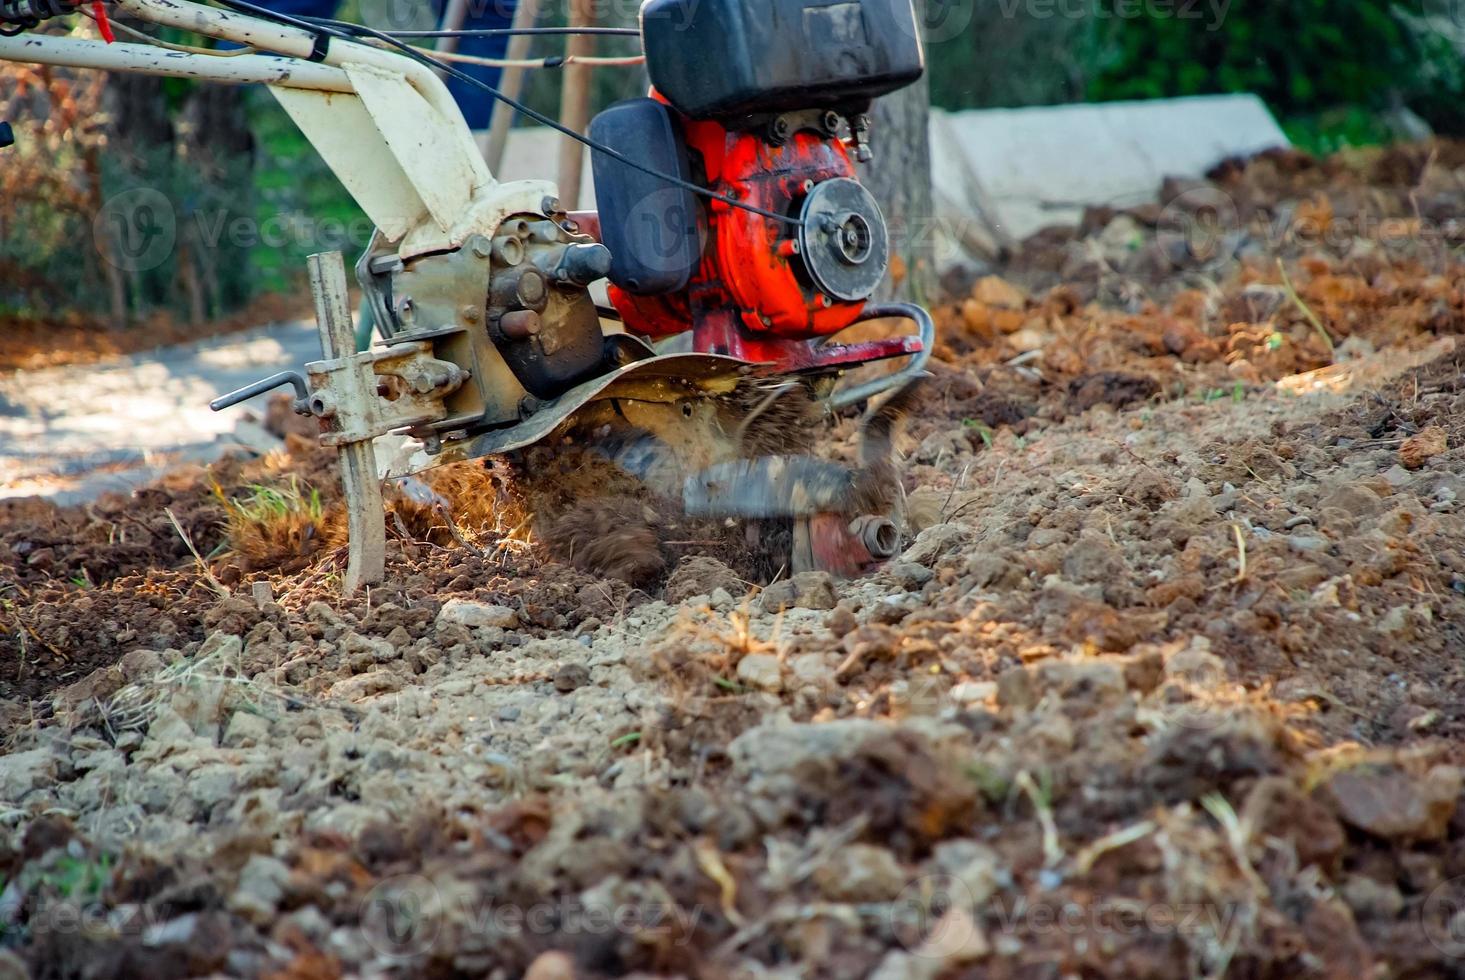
465	505
274	526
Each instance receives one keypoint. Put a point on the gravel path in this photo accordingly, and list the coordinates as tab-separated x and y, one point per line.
72	433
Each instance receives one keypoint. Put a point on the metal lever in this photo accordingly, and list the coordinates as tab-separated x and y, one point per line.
292	378
915	367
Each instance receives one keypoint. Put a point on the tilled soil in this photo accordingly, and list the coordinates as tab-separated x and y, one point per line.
1169	681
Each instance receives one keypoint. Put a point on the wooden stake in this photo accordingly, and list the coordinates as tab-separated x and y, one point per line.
511	83
575	104
365	510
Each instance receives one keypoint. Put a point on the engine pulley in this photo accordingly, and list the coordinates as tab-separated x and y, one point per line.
843	239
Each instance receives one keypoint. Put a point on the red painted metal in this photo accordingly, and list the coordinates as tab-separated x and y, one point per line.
749	297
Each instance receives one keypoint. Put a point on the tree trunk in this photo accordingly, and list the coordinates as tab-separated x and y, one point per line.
900	179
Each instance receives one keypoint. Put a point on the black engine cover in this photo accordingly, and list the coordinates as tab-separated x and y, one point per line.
651	227
715	59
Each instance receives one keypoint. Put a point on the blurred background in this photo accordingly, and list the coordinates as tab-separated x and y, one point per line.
1334	74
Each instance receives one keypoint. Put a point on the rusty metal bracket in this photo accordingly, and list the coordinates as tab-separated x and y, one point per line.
362	396
367	545
359	396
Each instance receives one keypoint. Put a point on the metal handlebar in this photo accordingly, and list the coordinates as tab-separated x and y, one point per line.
914	369
293	378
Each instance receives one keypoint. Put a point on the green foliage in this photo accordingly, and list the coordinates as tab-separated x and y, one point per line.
266	505
78	879
1302	56
299	206
1333	130
1332	70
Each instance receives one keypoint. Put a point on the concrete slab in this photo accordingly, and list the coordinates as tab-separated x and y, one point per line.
1030	168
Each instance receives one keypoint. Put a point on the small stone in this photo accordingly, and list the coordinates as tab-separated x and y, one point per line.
322	614
1353	499
23	772
761	671
200	703
245	730
973	692
1196	665
1371	899
1396	622
1099	680
976	871
955	939
988	570
998	292
262	593
167	731
1305	544
1397	476
1094	558
571	676
366	685
811	668
221	647
1015	688
474	615
1420	449
700	575
935	542
861	873
551	965
1387	802
909	575
841	621
806	590
261	886
139	665
721	598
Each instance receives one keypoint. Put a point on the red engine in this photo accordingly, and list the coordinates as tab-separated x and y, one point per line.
763	287
751	281
766	240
